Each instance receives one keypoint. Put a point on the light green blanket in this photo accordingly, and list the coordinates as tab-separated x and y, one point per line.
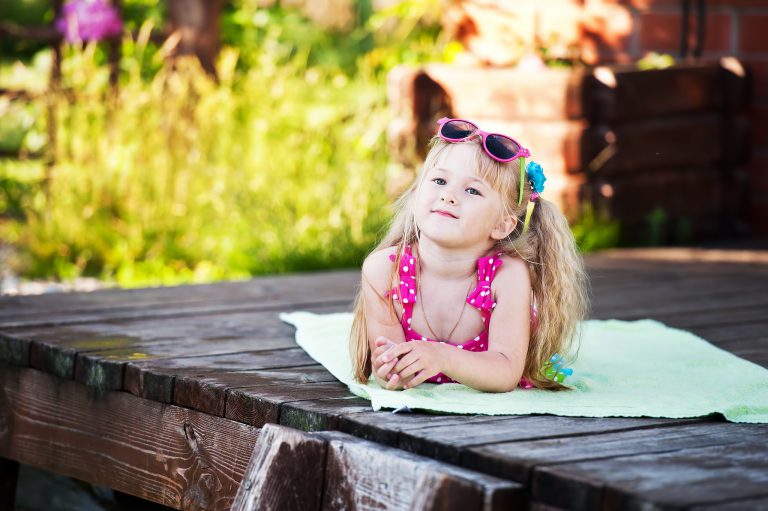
623	369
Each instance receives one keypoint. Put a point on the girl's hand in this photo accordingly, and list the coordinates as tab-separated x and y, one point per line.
416	361
384	370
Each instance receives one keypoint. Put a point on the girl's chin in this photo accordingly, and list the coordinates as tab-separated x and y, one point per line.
443	239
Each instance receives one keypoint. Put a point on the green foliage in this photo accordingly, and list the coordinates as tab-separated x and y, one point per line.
594	231
279	168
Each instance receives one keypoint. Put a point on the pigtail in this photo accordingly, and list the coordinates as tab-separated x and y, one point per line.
559	284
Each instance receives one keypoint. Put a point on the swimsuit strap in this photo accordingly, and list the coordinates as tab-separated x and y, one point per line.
480	298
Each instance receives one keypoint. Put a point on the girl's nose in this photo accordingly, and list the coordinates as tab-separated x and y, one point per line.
448	197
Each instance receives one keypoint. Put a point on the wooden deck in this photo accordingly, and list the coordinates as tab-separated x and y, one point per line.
162	392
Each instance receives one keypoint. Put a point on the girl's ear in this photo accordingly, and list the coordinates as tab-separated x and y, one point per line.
504	228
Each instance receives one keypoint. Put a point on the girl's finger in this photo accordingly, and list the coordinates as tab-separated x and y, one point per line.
397	351
406	374
385	369
392	383
411	370
406	361
419	378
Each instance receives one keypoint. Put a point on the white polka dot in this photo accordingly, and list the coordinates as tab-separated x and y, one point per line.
405	268
477	338
411	291
490	260
483	320
409	321
494	305
438	378
405	300
402	282
423	338
460	347
487	278
472	300
411	260
482	345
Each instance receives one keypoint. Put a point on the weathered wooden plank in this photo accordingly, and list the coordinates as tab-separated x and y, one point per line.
726	315
449	442
154	379
386	427
627	309
517	460
264	293
365	475
207	392
744	331
168	454
381	427
668	480
265	403
614	282
321	414
96	353
286	471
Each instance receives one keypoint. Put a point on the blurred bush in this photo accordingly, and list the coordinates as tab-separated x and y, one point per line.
278	166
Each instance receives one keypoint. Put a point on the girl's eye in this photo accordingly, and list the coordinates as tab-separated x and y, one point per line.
473	191
439	181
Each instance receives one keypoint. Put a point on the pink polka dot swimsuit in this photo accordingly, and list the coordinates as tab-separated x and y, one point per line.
480	298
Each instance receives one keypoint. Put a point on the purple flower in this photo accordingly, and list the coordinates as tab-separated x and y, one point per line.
89	20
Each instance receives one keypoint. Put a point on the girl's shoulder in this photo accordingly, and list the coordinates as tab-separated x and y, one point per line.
377	268
512	272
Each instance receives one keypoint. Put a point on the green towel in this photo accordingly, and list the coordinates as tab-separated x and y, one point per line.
623	369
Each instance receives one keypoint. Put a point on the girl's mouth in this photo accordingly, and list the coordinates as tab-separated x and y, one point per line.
444	213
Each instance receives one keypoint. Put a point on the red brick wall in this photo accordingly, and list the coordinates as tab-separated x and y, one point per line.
498	32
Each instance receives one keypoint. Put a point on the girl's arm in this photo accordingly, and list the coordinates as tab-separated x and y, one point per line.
380	323
497	370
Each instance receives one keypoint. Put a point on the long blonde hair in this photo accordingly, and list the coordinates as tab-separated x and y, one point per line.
557	271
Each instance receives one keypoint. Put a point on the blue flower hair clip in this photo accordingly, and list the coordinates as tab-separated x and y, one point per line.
535	175
554	369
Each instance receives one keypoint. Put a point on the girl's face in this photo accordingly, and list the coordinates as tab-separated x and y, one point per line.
454	207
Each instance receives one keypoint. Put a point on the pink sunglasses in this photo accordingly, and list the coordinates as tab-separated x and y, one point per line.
499	147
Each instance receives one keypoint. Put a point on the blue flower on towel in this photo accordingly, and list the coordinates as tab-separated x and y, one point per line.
536	176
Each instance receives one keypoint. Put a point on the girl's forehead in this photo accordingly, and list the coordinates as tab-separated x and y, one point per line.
458	159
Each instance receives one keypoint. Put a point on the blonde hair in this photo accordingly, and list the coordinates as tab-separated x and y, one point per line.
556	268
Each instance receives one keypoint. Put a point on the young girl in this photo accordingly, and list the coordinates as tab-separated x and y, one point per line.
478	279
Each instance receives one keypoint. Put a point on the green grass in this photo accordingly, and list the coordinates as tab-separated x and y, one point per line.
180	179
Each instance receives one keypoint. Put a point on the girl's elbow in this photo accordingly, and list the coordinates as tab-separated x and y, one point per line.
512	376
509	386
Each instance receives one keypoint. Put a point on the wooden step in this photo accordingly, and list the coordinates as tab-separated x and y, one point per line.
290	469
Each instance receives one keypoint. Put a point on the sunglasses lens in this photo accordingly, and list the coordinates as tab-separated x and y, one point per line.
457	129
502	147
